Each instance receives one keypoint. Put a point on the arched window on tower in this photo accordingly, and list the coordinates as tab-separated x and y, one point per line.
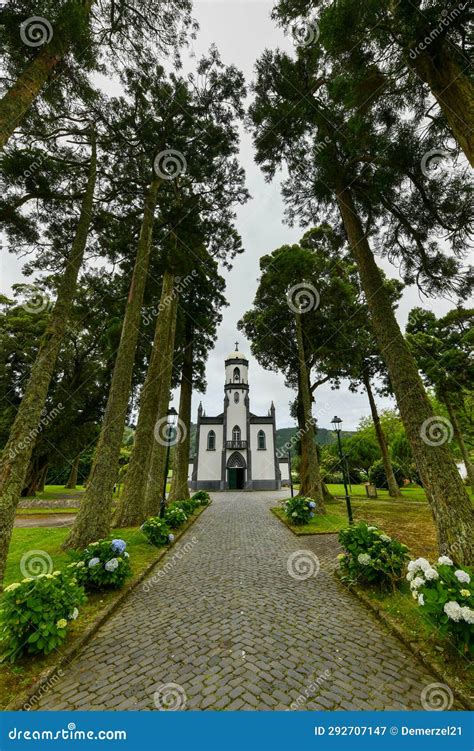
236	375
211	441
236	433
261	440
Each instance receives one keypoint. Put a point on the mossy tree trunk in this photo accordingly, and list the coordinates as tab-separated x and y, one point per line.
130	509
179	489
16	455
72	480
157	460
310	476
15	103
453	89
460	440
393	489
94	517
42	480
450	505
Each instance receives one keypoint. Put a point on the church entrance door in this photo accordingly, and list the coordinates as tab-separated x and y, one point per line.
235	478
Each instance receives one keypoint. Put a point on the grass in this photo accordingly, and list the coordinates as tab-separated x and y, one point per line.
401	610
42	511
410	522
17	678
53	492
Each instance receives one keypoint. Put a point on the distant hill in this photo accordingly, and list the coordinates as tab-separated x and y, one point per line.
286	436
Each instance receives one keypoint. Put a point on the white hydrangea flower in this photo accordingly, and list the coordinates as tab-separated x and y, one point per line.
465	592
453	611
417	582
423	563
74	614
111	565
467	614
364	559
385	538
421	600
431	574
462	576
372	529
410	576
444	560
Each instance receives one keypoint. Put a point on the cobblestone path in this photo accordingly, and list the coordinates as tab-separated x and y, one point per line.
229	628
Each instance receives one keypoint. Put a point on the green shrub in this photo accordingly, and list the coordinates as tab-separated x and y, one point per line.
157	531
371	556
445	596
188	506
103	565
35	613
175	516
378	477
299	510
202	496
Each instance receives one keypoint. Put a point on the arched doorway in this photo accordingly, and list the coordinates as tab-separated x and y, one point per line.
236	467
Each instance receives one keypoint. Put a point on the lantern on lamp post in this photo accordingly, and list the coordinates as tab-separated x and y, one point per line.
171	422
336	422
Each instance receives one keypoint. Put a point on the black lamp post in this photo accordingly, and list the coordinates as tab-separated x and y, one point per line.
172	415
336	422
289	472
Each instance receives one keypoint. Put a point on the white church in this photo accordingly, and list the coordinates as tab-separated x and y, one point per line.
236	449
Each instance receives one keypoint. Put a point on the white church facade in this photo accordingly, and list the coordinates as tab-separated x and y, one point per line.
236	450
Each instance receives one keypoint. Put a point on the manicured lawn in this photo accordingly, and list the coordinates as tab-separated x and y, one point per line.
42	511
52	492
18	677
410	522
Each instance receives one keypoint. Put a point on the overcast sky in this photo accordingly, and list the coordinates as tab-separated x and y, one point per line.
242	30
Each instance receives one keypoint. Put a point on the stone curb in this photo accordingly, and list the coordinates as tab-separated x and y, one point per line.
71	652
397	631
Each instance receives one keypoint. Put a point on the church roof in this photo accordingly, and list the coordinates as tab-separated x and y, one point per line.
236	355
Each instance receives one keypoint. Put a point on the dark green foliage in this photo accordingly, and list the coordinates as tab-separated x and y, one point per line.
103	565
378	476
157	531
371	556
299	510
35	613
